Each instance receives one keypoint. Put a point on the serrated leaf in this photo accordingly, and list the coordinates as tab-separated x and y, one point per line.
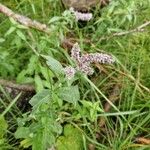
45	72
33	64
72	139
70	94
22	132
54	65
38	83
42	97
43	140
86	103
45	136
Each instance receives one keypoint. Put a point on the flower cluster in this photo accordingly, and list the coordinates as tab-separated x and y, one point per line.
97	57
84	61
81	16
69	71
75	52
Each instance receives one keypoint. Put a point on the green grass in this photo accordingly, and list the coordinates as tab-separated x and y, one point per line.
82	104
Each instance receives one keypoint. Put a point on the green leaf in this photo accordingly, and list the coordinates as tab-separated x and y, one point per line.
3	126
47	73
22	132
72	139
54	65
26	143
2	40
42	97
46	135
33	65
70	94
44	72
21	35
43	140
21	26
14	22
2	141
11	30
38	83
54	19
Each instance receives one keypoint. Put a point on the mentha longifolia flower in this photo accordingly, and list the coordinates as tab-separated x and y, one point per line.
97	57
69	72
75	52
84	61
81	16
86	69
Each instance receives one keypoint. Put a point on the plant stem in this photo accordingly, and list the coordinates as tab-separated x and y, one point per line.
11	104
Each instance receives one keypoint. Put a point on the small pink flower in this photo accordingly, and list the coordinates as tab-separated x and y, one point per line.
81	16
101	58
69	71
84	61
86	69
75	52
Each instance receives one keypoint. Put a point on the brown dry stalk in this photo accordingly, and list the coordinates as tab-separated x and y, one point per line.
140	28
13	85
67	44
143	140
24	20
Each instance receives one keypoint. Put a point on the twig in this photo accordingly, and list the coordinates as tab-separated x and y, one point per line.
13	85
24	20
137	29
143	140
